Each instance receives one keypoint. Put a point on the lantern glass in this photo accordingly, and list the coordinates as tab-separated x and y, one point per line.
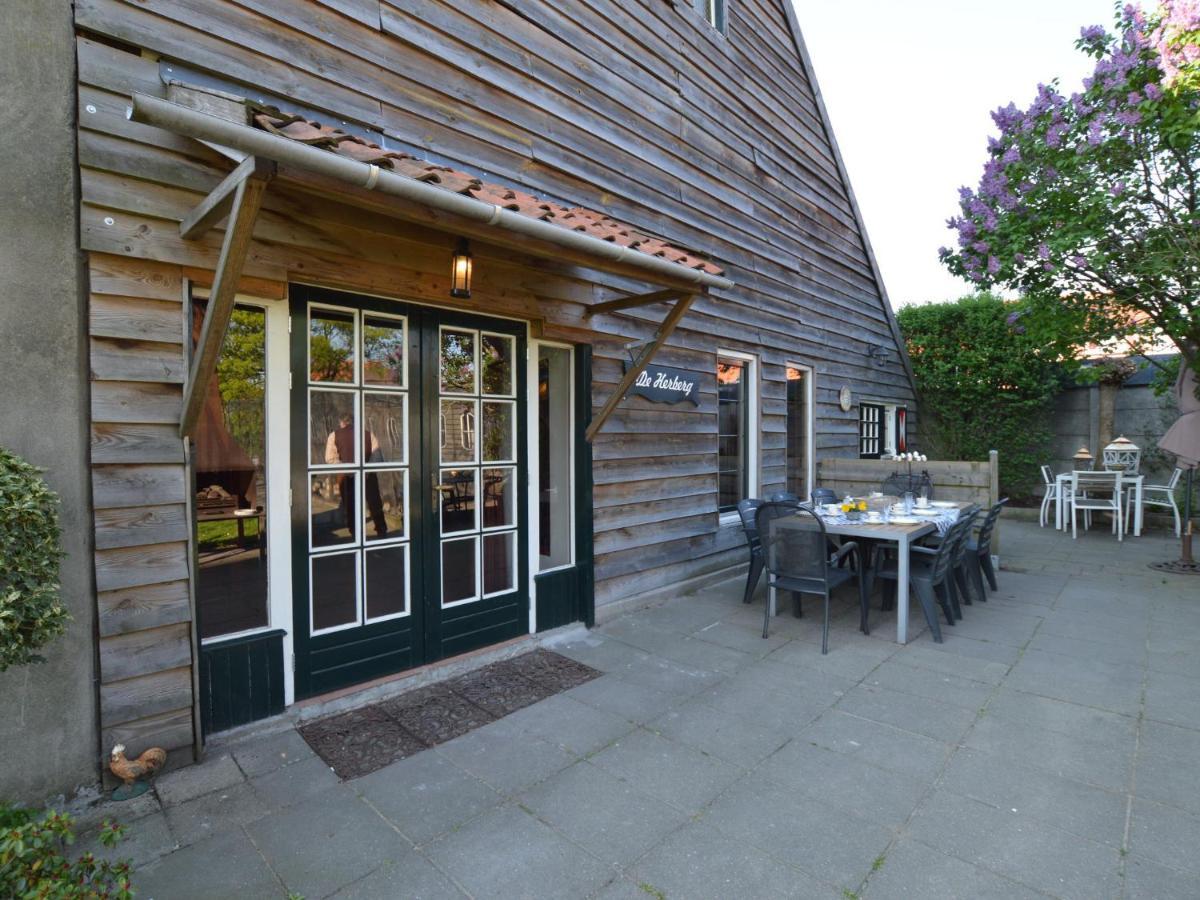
460	271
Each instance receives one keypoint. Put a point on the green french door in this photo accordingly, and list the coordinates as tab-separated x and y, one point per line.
408	479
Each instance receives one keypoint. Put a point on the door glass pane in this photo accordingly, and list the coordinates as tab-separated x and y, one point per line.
731	424
383	502
231	584
797	432
332	437
499	424
332	497
496	358
387	581
499	498
457	492
499	554
383	351
458	570
457	430
331	346
456	361
334	590
384	439
554	456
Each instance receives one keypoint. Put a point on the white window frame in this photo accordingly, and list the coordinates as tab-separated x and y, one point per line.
810	438
753	426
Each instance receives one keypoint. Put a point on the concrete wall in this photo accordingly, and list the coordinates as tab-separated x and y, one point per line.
48	715
1140	416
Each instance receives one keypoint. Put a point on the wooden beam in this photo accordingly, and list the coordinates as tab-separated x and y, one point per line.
643	359
247	200
631	301
213	208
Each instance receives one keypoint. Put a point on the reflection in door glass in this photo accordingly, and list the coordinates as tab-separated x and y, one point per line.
496	358
230	440
385	416
334	590
331	346
387	580
458	570
457	430
554	456
383	351
499	422
456	361
457	490
332	498
499	498
383	492
499	553
332	437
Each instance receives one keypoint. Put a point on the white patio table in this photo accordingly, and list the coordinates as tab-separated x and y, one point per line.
1061	520
879	532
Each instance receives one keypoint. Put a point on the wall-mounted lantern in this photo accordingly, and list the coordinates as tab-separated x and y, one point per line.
879	353
460	270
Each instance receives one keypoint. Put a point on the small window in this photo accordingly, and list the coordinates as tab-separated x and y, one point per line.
713	12
870	430
736	429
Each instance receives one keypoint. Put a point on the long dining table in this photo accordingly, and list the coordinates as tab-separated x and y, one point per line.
870	534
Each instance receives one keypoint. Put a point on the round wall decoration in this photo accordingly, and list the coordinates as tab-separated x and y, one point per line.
844	398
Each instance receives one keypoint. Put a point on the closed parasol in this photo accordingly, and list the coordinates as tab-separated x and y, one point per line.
1183	439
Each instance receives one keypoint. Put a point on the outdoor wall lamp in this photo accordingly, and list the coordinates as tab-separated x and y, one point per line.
877	352
460	270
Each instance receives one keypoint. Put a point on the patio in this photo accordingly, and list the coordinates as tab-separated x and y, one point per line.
1048	747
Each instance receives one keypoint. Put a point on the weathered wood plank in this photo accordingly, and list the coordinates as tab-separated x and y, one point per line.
145	653
147	695
143	606
170	730
136	485
121	359
139	525
115	442
128	318
125	277
126	567
136	401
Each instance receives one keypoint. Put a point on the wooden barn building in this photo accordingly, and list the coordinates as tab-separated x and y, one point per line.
411	327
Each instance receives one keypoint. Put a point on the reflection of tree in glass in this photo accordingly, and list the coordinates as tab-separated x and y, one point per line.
241	373
331	349
496	359
497	431
383	353
458	361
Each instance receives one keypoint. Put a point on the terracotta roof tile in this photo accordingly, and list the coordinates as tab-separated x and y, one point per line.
297	128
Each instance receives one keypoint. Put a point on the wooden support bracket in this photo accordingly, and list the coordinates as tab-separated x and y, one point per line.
213	208
643	359
634	300
247	199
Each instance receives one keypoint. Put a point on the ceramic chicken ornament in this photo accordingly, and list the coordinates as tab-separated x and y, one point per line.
134	772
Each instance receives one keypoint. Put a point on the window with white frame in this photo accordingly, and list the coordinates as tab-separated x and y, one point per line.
737	428
713	12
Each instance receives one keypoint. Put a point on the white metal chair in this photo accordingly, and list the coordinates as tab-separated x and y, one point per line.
1051	496
1157	495
1098	491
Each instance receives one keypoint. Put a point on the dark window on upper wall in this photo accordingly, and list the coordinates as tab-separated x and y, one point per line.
870	430
733	410
713	11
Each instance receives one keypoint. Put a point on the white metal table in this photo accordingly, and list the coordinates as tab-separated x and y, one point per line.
902	536
1127	481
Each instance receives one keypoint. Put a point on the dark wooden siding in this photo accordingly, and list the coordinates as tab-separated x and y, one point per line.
636	108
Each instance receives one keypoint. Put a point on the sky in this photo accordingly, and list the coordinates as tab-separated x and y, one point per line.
910	87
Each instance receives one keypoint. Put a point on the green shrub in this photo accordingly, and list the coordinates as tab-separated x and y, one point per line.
34	864
30	612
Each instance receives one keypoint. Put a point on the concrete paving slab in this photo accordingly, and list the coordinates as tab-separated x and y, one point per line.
1173	699
911	869
603	813
413	877
213	774
326	842
426	795
294	783
852	661
508	854
225	866
1110	686
635	702
885	746
718	733
945	659
576	727
600	652
932	684
266	754
1166	835
922	715
146	840
505	757
1167	765
1060	716
744	638
213	813
1148	880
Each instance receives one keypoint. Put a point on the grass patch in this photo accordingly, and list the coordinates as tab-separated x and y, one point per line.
652	891
879	861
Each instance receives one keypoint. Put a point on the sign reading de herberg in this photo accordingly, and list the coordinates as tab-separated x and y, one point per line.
662	384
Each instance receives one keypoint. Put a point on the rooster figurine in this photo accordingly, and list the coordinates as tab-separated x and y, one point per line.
132	771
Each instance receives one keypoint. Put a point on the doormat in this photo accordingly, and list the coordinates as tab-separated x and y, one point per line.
363	740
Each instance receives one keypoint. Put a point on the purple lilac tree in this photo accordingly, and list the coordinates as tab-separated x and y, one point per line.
1089	204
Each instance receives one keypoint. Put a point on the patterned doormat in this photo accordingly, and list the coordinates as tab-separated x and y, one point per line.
358	742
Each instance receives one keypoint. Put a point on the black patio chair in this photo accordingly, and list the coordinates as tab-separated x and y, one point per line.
979	551
898	484
795	550
959	582
821	496
784	497
746	511
928	571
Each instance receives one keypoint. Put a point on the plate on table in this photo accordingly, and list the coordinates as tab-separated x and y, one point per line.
904	520
944	504
918	511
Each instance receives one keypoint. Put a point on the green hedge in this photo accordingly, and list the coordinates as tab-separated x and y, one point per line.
30	612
